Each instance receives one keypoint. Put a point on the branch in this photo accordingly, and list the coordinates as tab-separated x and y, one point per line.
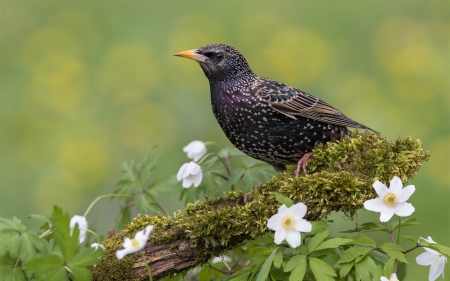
340	179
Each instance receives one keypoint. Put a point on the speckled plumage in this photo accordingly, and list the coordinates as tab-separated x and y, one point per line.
266	119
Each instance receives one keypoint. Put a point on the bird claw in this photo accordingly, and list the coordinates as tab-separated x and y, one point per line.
302	164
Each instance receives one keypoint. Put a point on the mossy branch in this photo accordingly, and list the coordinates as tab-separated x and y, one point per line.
340	179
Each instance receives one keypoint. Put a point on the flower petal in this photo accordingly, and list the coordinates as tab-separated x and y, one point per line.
396	185
431	251
297	211
380	188
426	258
198	178
82	225
282	210
375	205
280	235
386	215
293	238
181	171
120	254
403	209
303	225
148	230
194	168
436	269
393	277
274	222
187	182
406	193
384	278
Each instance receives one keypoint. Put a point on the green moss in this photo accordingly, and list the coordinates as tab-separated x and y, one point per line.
340	179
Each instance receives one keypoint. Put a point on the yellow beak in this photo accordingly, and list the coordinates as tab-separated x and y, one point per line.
192	54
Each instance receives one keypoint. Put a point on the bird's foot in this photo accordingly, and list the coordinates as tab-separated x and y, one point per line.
302	164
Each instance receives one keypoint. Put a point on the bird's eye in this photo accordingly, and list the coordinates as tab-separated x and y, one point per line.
219	56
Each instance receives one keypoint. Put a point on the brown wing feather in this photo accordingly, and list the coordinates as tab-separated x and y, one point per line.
293	102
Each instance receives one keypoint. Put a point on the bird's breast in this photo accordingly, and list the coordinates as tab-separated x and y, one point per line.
263	133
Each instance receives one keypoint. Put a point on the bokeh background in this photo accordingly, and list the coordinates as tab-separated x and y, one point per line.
86	85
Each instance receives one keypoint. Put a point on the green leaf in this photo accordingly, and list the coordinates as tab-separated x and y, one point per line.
205	274
21	243
367	227
242	277
333	243
396	254
244	271
294	262
318	226
86	257
48	267
299	271
80	274
236	175
354	253
6	260
316	240
283	199
345	269
441	249
321	270
146	203
389	267
410	238
61	233
264	272
259	251
364	240
393	250
391	246
278	260
404	223
10	273
42	218
365	268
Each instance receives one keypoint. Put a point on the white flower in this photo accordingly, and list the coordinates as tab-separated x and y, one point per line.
393	278
434	259
82	225
288	224
221	259
195	150
190	173
136	244
96	245
391	200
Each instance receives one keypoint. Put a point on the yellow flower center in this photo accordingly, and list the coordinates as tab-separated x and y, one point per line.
389	199
288	223
135	243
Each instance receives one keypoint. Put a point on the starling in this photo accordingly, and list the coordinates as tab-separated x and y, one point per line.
267	120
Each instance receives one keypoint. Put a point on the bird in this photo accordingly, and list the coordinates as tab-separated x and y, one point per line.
266	119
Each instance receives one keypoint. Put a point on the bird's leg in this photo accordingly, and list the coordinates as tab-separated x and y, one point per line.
302	163
279	168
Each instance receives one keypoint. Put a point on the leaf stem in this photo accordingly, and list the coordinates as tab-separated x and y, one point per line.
104	196
220	158
45	233
149	270
92	232
212	143
398	242
161	208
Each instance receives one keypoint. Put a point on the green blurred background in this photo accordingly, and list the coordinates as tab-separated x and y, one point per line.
86	85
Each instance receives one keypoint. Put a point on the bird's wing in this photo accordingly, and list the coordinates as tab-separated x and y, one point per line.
293	102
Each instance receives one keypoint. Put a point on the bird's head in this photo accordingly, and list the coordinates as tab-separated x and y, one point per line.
220	62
